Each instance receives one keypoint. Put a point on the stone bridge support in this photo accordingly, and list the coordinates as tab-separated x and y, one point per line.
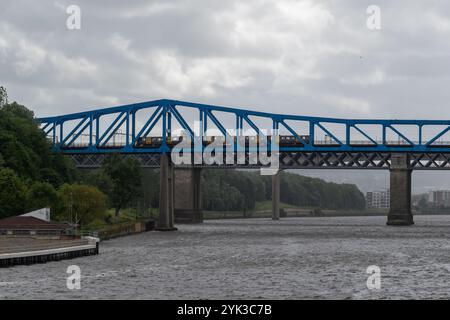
400	191
166	196
276	196
188	199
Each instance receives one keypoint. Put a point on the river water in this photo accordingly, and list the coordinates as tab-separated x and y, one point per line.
294	258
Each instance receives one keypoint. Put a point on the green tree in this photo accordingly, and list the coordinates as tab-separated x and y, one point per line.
12	193
218	195
81	202
3	97
41	195
25	149
249	187
150	190
98	178
126	178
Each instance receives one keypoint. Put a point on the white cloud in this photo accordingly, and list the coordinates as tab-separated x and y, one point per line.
304	57
374	77
348	105
28	57
3	49
72	69
148	10
25	56
438	22
119	43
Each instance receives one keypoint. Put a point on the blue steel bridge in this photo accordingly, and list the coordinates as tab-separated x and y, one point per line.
148	131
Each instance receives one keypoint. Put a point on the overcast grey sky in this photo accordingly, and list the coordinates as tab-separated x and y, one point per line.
302	57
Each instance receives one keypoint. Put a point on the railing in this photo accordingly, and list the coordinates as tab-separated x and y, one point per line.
83	233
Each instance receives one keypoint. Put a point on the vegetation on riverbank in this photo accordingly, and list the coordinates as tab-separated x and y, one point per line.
231	190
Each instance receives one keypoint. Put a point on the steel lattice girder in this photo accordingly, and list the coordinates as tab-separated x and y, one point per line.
294	160
90	161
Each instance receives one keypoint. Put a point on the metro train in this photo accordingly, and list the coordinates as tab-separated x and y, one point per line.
284	141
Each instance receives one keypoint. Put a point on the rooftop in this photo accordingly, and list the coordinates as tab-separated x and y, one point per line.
29	223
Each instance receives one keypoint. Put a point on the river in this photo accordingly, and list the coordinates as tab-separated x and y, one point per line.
294	258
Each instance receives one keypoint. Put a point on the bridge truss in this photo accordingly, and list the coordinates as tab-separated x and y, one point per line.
88	137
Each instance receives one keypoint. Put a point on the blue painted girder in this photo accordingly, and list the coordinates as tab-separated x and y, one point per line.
167	113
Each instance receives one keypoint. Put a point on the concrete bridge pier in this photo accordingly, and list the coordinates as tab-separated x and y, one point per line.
400	191
276	196
166	211
188	199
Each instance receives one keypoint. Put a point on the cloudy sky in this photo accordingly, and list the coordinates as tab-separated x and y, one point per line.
302	57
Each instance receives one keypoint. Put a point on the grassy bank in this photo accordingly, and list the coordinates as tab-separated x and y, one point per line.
129	221
264	210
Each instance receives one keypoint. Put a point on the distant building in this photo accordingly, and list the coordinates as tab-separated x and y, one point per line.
439	198
378	199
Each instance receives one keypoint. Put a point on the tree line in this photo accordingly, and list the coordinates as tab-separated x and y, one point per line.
237	189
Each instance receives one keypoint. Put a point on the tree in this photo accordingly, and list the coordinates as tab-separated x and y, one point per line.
220	196
81	202
25	149
126	178
423	203
98	179
3	97
12	193
41	195
150	190
247	188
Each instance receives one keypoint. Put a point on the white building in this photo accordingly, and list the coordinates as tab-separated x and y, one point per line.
439	198
378	199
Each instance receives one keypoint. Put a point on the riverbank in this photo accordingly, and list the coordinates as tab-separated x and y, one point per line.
291	212
17	250
111	231
264	210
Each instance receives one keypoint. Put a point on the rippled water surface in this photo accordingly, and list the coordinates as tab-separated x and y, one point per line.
294	258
